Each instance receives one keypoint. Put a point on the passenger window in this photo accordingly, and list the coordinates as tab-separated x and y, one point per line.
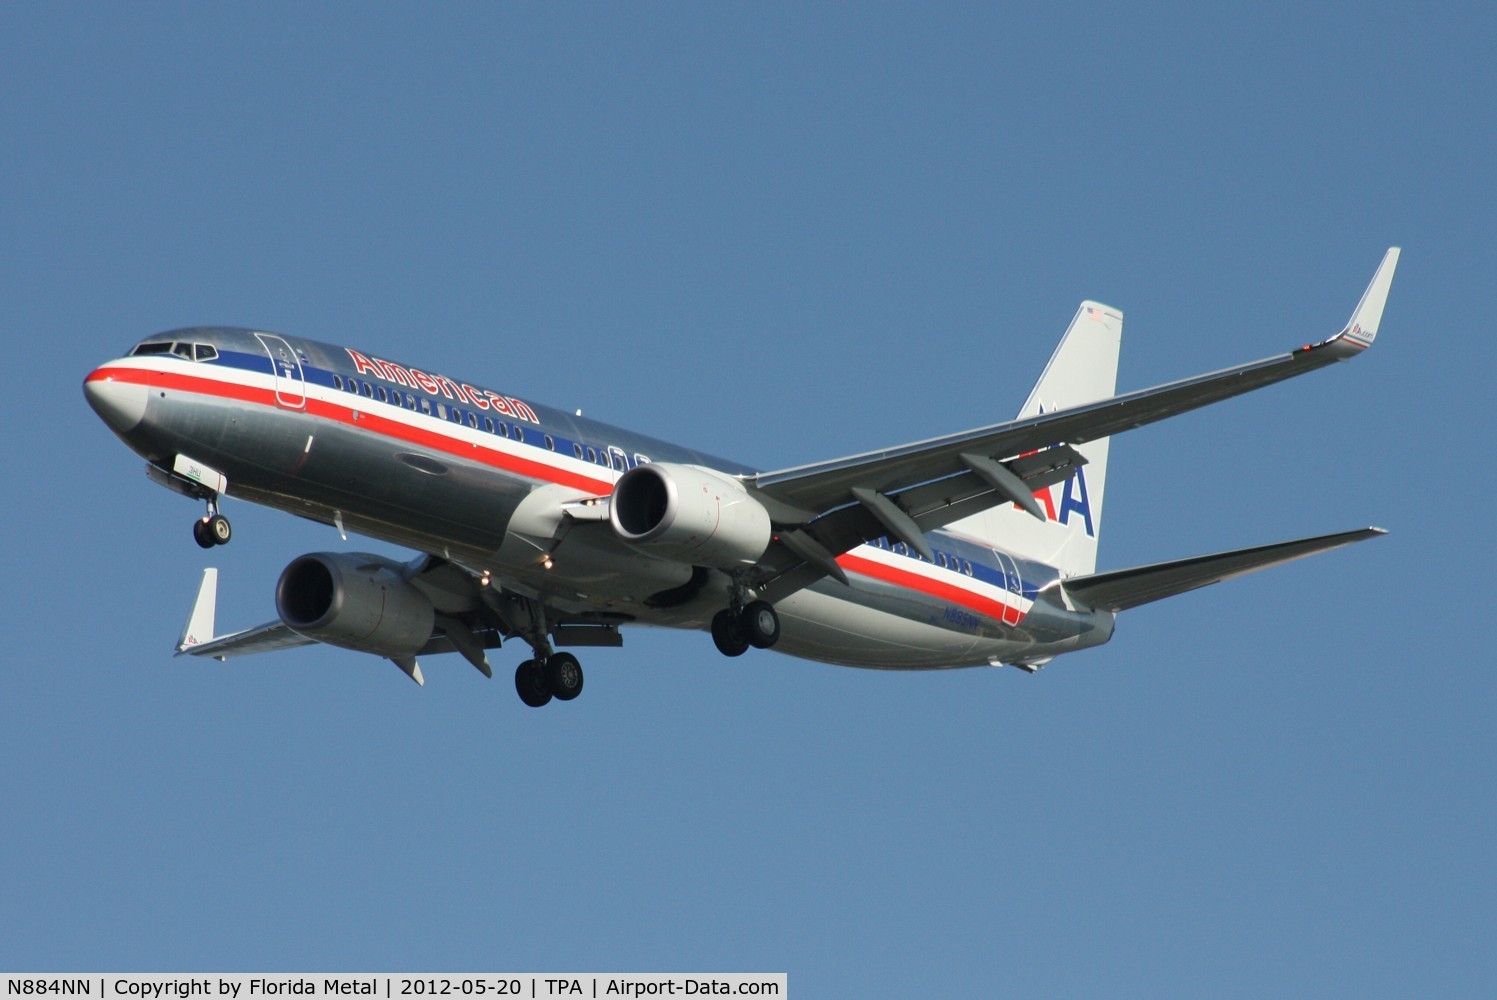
941	559
473	420
410	401
488	424
550	443
353	386
576	449
503	429
384	397
204	352
338	382
368	390
966	567
442	410
592	454
426	407
519	433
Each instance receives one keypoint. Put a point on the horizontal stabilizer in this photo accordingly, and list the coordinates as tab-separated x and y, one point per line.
1128	588
265	638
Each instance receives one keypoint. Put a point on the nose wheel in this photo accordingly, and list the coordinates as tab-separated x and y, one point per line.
213	529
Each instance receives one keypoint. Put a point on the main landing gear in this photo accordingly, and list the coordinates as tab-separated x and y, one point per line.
212	528
548	674
754	624
556	676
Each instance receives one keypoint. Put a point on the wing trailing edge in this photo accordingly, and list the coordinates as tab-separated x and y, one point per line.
1122	589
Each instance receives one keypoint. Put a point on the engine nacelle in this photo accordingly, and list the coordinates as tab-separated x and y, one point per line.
688	514
356	601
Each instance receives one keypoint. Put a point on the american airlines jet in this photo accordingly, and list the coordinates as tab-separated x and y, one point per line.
537	525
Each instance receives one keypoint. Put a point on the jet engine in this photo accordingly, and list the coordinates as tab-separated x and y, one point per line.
356	601
689	514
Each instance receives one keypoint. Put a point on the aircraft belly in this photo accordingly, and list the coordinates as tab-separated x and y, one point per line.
822	626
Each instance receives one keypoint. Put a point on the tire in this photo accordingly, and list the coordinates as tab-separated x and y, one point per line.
200	534
219	530
727	633
563	676
760	624
529	684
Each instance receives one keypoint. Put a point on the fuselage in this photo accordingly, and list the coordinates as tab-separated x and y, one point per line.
477	477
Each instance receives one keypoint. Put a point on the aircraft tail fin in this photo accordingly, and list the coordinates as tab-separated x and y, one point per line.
1083	369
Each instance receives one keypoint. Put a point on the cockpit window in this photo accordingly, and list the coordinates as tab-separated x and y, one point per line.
190	352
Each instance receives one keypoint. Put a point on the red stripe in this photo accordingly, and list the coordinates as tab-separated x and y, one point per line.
367	421
924	584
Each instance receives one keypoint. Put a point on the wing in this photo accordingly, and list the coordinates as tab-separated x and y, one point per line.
469	618
828	508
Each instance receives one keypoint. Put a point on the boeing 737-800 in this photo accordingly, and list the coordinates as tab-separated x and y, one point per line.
533	524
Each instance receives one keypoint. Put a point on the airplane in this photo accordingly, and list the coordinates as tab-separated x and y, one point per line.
534	524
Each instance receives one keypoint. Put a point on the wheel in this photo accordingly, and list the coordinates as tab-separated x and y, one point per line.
727	632
530	685
563	676
760	624
219	529
200	534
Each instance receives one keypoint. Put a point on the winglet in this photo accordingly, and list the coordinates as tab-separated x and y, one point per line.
1361	329
199	627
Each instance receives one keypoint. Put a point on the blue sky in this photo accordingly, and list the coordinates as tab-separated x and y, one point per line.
779	233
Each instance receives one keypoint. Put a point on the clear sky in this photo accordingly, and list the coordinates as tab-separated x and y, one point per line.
779	233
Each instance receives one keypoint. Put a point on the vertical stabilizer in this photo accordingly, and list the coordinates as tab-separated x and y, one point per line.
1083	369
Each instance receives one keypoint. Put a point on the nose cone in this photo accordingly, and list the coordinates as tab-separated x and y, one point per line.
121	405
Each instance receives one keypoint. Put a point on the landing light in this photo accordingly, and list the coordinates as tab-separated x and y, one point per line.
546	562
